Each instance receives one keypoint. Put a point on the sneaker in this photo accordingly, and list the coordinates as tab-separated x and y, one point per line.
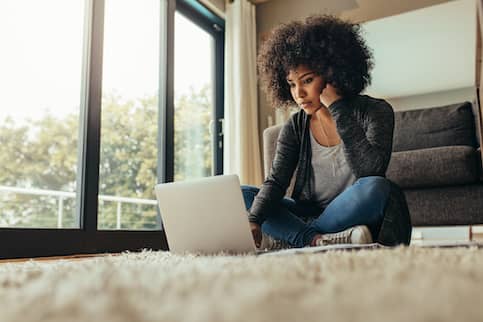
270	243
352	235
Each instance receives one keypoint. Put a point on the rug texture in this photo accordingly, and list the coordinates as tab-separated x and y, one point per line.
386	285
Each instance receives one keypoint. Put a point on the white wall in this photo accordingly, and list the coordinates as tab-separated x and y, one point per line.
433	99
423	51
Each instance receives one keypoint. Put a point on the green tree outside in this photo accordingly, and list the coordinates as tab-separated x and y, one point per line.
43	154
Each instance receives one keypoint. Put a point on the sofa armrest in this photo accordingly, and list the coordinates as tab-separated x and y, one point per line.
270	137
479	162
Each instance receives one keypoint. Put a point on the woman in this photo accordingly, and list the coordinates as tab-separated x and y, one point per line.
338	145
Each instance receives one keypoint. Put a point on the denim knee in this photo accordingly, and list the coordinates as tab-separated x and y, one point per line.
249	188
376	184
249	193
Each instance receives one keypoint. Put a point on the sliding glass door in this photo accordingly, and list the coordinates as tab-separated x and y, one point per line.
198	112
94	112
129	118
40	102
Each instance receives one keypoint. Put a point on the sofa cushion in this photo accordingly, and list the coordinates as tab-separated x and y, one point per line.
449	205
433	167
432	127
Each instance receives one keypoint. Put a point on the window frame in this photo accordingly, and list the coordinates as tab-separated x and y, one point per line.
38	242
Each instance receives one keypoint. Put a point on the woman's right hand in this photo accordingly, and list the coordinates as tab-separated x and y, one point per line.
329	95
256	233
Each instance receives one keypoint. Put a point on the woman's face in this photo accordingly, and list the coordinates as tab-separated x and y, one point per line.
305	87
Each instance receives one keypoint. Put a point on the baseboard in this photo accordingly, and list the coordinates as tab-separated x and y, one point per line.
447	233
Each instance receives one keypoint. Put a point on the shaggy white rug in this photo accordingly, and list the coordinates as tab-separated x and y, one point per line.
386	285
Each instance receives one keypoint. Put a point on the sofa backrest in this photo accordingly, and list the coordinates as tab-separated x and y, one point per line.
447	125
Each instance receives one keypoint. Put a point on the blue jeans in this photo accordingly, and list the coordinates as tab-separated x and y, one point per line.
362	203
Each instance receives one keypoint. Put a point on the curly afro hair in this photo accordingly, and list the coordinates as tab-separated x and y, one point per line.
331	47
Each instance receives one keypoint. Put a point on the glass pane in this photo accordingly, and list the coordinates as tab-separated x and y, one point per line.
193	103
129	115
40	81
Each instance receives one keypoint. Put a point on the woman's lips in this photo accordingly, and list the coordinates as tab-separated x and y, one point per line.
305	105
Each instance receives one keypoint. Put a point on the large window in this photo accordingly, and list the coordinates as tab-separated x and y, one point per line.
198	112
94	112
193	100
129	121
40	82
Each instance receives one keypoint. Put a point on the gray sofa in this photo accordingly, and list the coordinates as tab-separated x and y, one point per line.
436	160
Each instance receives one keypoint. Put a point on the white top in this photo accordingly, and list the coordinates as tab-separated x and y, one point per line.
331	172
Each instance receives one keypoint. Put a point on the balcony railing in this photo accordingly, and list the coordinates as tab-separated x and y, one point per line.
62	195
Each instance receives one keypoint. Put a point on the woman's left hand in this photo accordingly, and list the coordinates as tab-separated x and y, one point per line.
329	95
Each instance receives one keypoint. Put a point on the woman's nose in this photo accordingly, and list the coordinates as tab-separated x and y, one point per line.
300	92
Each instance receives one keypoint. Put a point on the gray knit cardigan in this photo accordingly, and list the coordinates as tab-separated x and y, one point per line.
366	126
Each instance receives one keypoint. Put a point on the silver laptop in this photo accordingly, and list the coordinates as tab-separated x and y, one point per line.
205	216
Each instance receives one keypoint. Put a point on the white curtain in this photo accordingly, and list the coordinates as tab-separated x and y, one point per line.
241	143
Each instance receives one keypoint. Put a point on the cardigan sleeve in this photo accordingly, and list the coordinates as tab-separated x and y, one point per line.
283	166
367	133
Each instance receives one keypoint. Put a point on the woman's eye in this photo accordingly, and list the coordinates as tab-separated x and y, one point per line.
291	85
308	80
